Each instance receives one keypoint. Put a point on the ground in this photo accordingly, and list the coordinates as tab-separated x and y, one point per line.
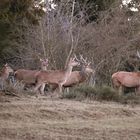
45	118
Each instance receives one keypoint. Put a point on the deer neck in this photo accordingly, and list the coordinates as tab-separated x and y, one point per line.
44	68
84	74
68	71
4	74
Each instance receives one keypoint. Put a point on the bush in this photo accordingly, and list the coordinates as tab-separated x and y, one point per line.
96	93
81	92
105	93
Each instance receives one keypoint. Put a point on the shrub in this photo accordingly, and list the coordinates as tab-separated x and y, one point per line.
107	93
98	93
81	92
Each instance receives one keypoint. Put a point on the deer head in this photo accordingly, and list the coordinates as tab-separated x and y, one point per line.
73	62
44	62
86	65
8	68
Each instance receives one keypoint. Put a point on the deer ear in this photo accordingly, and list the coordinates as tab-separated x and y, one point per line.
73	59
70	59
41	59
89	63
6	65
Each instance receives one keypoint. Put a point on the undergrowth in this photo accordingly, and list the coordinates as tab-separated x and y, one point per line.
104	93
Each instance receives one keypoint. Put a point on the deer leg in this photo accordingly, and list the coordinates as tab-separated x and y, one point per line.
54	87
60	88
1	85
15	83
67	90
37	87
137	91
42	89
120	90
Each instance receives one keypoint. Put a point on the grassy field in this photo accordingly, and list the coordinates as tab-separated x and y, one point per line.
45	118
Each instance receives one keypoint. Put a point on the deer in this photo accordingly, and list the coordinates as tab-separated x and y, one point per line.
55	77
4	74
78	77
27	77
81	76
123	79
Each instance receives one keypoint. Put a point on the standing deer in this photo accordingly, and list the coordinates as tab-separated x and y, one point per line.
4	74
78	77
55	77
123	79
28	77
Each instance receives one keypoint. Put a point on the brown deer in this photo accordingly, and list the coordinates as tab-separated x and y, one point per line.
78	77
28	77
4	74
123	79
55	77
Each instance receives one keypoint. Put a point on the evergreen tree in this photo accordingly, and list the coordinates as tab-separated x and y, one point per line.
12	14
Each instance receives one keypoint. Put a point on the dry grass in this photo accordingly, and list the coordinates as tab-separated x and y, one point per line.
45	118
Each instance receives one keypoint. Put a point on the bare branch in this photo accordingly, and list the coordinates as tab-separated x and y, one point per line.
71	34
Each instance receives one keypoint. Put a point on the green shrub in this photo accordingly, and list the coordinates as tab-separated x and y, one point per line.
103	93
80	93
107	93
94	93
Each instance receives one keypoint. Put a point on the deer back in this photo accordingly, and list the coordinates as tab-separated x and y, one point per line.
74	79
27	76
128	79
57	76
52	76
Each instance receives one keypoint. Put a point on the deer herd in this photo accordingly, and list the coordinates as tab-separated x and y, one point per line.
59	79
